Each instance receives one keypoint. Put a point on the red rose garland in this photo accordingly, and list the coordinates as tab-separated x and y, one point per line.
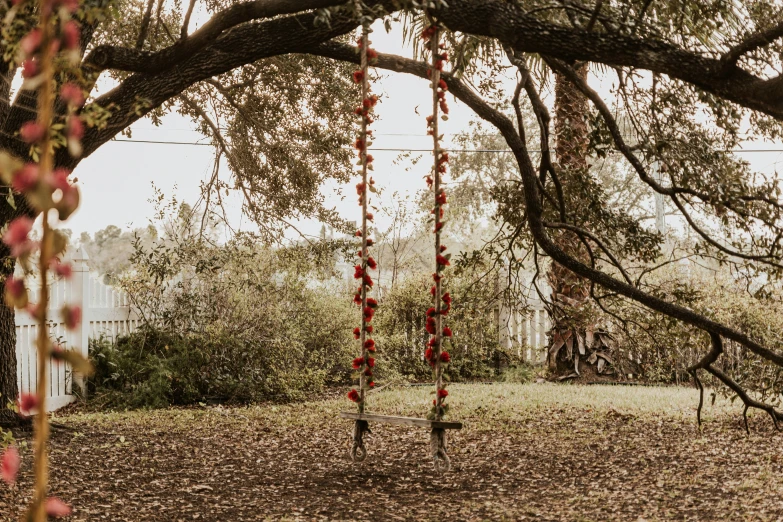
434	354
364	364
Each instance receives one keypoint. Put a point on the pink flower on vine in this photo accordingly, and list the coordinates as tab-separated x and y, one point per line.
9	465
56	508
31	132
26	178
71	316
15	287
16	236
64	270
75	128
72	93
31	42
30	69
27	403
71	35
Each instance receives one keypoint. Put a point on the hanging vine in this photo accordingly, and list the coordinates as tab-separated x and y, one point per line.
48	52
435	355
366	362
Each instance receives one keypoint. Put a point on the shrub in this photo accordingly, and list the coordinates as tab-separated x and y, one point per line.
661	348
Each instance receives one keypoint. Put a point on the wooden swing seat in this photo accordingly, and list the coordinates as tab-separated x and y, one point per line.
402	421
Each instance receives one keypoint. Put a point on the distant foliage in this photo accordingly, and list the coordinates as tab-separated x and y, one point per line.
401	334
660	348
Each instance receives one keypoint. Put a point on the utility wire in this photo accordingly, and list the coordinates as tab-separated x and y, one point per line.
398	149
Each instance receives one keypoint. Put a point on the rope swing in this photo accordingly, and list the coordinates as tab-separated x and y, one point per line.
435	355
365	363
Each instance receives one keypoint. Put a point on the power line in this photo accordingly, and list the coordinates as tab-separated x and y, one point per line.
397	149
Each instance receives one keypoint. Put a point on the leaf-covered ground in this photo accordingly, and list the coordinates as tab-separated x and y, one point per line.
528	452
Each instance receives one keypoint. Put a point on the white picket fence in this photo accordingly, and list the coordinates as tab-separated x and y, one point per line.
525	331
105	312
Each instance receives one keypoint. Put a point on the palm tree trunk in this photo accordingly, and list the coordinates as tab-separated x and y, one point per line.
570	315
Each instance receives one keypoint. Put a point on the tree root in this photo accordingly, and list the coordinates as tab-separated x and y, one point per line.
706	364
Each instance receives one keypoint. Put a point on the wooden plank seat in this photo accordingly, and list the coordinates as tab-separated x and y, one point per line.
437	434
402	421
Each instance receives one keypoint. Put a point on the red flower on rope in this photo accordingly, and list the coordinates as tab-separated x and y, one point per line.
442	394
430	326
353	395
445	357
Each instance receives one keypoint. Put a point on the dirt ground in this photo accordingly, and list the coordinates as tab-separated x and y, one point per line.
528	452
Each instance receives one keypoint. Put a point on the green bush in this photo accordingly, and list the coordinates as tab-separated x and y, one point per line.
660	348
401	337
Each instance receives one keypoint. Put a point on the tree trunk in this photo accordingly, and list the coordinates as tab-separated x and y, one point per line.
8	385
572	316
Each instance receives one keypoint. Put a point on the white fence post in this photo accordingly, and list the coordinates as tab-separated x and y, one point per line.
80	295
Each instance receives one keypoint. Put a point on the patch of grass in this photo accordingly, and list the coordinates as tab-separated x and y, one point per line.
481	406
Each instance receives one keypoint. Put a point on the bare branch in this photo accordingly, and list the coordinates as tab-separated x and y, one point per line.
145	24
751	43
184	31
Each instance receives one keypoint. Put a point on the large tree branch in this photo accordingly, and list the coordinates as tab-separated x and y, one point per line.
133	60
512	26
